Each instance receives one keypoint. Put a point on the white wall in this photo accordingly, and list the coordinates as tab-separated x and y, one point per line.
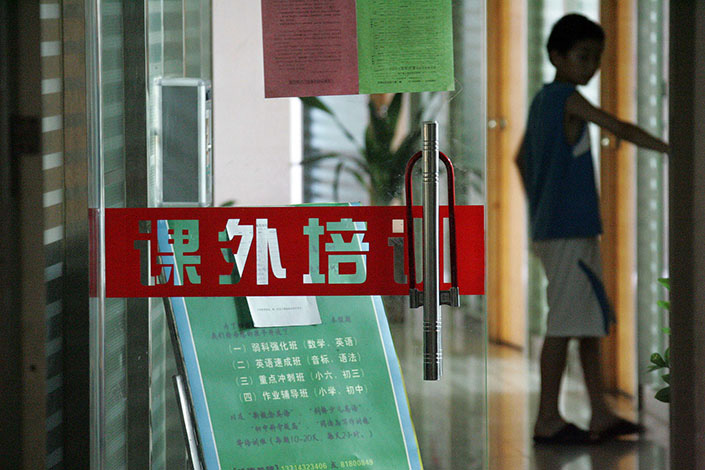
255	140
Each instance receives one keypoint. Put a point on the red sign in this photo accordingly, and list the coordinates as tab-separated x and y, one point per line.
272	251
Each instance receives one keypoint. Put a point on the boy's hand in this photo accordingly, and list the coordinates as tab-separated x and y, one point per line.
577	106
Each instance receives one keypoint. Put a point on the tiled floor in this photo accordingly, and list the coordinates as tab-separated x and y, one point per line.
450	415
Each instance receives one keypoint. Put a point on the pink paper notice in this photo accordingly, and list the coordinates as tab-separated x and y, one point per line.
310	47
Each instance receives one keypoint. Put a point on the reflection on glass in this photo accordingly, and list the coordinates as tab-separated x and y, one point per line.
178	42
449	414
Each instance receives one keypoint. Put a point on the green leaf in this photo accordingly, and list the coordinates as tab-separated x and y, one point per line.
665	282
315	102
376	152
664	304
379	128
666	330
666	378
355	173
393	111
360	177
664	395
667	357
355	160
377	165
336	180
652	368
657	360
410	143
318	157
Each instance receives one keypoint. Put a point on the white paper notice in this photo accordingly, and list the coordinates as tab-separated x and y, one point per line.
283	311
271	311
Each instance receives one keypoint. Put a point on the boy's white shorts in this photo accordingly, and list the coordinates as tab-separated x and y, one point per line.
577	303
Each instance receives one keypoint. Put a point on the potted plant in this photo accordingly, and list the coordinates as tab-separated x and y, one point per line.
380	160
663	361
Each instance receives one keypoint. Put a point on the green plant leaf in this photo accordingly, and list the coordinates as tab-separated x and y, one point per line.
355	173
665	282
666	330
393	112
315	102
667	357
318	157
377	165
336	180
355	160
409	144
657	360
379	128
664	395
376	151
360	177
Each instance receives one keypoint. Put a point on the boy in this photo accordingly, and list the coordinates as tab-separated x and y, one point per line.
556	166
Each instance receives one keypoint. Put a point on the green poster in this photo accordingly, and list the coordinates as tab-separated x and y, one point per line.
293	398
404	45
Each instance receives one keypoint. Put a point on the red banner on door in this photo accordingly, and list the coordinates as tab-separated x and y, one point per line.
273	251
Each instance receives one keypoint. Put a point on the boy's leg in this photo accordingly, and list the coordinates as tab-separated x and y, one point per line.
553	360
602	415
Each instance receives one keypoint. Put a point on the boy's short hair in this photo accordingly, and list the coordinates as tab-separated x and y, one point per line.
569	30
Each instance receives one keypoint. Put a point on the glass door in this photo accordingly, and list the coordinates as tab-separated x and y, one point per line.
130	45
135	422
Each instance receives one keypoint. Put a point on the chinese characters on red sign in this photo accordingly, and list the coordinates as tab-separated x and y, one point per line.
273	251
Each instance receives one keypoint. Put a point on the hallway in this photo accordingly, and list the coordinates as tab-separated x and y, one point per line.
448	415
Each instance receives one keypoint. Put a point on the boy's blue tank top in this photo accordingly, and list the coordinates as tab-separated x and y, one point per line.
559	177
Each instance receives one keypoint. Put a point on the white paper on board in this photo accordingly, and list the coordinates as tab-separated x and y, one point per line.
284	311
271	311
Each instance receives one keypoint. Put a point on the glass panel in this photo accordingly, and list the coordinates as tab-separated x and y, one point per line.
652	252
452	430
178	43
449	415
110	379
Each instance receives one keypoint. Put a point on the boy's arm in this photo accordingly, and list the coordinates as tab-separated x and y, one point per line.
581	108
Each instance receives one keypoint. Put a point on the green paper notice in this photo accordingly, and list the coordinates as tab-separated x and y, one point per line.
405	45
